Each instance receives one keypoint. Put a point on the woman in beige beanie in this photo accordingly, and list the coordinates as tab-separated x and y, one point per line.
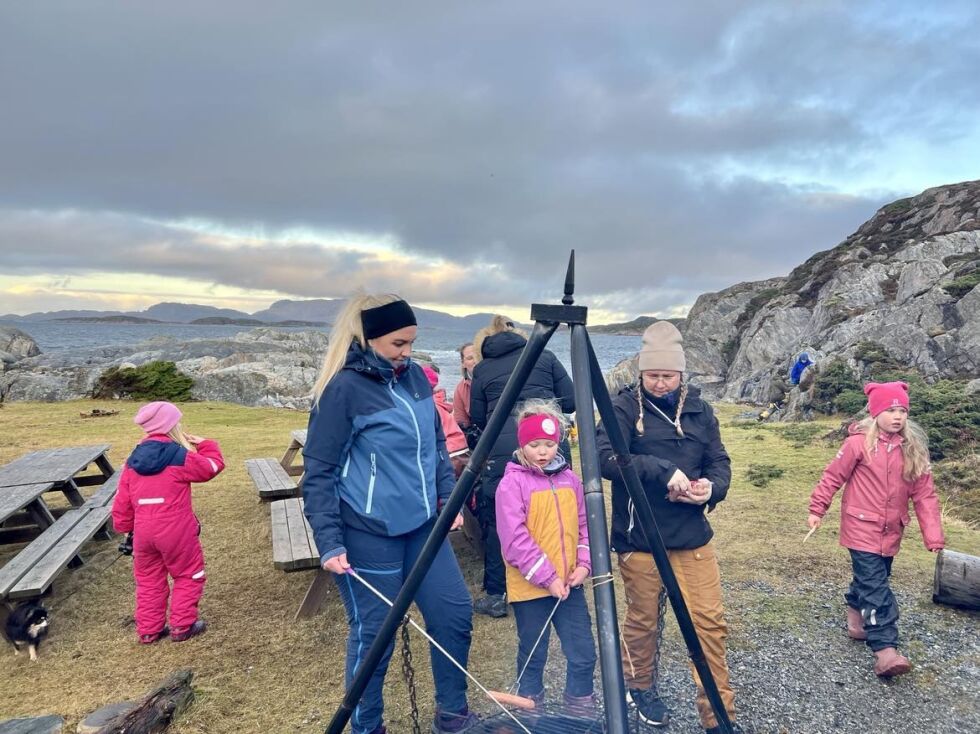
676	448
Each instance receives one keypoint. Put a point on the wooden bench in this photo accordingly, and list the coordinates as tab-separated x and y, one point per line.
293	549
270	479
32	571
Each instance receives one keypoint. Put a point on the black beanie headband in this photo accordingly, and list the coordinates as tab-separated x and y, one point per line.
386	319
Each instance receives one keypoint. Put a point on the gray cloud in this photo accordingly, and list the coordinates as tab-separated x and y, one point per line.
498	135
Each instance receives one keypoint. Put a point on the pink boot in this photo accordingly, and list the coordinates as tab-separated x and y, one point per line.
855	625
889	662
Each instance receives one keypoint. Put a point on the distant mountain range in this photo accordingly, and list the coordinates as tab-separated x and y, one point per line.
316	312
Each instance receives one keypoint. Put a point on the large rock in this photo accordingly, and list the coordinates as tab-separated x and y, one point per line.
262	366
890	283
15	345
34	725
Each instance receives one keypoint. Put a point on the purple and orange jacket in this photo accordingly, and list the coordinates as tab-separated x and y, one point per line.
875	504
541	522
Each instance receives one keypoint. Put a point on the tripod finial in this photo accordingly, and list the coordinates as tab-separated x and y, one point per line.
568	298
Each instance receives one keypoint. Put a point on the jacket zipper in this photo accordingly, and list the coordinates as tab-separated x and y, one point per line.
374	474
561	526
418	446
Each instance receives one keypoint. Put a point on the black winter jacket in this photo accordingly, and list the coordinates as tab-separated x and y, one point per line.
657	454
548	380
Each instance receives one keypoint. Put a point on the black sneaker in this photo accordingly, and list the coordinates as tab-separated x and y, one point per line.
446	722
491	605
649	707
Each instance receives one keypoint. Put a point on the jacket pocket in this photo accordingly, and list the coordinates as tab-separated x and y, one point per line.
370	490
905	519
864	515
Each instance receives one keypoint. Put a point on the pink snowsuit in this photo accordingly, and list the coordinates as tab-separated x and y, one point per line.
154	501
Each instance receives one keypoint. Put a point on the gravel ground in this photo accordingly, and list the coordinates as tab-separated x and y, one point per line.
812	679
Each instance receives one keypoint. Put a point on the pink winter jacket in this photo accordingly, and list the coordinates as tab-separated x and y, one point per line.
875	504
455	439
155	485
542	526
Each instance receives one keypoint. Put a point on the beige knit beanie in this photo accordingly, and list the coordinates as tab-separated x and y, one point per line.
662	348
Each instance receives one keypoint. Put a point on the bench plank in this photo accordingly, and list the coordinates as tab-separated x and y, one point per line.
298	538
36	581
282	551
106	493
293	547
20	564
270	479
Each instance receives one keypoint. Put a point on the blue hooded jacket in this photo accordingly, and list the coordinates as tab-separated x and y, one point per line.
796	372
375	457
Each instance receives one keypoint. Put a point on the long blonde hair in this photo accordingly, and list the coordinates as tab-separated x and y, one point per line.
346	329
177	435
915	446
540	406
498	325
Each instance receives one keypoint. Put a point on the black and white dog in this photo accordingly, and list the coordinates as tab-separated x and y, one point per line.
26	625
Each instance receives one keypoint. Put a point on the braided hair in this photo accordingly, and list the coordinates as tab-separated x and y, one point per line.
677	415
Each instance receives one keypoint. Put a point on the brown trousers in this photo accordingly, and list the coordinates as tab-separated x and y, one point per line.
700	581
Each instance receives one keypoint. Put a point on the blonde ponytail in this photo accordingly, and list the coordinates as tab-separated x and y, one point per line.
347	328
177	435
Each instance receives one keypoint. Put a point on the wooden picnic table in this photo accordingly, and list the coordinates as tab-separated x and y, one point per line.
24	481
296	444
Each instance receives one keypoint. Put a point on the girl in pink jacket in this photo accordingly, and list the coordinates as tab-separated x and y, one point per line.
544	539
884	463
154	503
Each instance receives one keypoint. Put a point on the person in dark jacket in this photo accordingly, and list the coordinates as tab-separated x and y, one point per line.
377	471
499	346
676	447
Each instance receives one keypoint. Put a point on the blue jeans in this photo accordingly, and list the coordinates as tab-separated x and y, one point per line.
574	627
870	594
442	597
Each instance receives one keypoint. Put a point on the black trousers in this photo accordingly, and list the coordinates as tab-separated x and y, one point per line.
870	594
494	578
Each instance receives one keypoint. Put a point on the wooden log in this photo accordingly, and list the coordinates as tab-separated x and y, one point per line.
957	580
157	709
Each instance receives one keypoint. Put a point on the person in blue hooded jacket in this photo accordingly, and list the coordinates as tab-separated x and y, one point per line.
376	473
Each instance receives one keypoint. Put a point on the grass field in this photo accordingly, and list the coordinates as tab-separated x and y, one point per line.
258	671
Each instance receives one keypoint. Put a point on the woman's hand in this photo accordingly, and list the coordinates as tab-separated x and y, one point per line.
457	523
813	521
698	494
578	577
677	486
337	564
558	589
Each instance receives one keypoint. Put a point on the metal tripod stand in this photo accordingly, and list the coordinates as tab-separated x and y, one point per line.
589	386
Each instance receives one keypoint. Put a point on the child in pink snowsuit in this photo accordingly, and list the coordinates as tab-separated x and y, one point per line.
154	502
459	451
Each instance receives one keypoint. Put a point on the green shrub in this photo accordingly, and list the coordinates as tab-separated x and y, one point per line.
761	474
800	434
151	381
961	286
834	379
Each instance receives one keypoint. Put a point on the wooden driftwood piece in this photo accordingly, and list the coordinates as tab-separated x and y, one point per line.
957	580
157	709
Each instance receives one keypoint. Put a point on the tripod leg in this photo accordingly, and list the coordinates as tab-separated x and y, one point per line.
532	350
611	665
648	525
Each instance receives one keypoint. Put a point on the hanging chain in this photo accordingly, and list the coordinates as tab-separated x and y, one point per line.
409	672
661	609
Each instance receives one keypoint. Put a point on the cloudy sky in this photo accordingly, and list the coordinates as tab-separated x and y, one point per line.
234	153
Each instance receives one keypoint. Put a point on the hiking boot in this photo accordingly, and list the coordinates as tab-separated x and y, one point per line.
649	707
446	722
380	730
736	729
538	698
855	625
156	636
492	605
580	706
889	662
198	628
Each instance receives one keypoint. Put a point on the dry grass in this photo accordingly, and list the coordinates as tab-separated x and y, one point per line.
258	671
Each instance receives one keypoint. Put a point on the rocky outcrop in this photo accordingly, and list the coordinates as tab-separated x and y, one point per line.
15	345
906	282
258	367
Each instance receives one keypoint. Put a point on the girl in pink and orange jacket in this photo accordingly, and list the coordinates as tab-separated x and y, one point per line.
884	463
544	539
154	503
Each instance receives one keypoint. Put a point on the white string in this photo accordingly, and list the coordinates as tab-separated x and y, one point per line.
440	648
535	646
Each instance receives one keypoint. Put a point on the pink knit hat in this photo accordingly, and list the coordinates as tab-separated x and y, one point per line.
158	417
538	426
885	395
431	375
